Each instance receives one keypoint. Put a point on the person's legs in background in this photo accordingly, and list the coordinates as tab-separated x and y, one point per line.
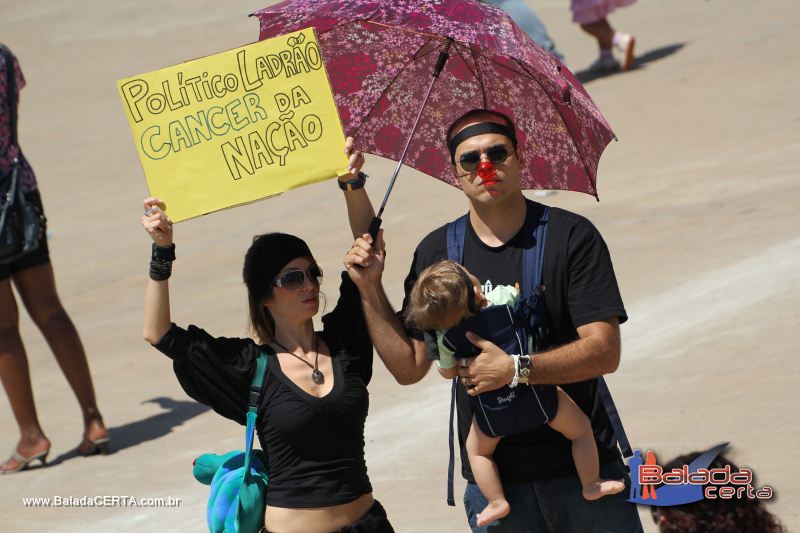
37	289
15	375
591	15
608	38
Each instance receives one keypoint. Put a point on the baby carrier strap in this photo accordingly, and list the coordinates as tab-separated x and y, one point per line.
455	252
613	418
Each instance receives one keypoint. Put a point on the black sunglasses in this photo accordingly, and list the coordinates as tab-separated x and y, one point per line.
497	154
295	279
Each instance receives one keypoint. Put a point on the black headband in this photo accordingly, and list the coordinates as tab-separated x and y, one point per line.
480	129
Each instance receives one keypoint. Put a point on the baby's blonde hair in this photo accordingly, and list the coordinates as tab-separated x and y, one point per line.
440	297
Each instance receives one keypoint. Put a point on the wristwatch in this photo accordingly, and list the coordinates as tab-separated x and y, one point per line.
524	369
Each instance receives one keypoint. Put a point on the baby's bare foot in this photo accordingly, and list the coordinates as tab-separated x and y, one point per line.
602	487
493	511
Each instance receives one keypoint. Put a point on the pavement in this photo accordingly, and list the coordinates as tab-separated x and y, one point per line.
699	207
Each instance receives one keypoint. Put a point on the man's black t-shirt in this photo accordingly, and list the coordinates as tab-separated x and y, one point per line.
580	288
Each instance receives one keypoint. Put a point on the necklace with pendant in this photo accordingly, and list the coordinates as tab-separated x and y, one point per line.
316	376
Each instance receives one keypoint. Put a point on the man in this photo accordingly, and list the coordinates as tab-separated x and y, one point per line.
584	310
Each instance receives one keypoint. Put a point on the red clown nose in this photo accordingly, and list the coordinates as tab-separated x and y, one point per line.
486	171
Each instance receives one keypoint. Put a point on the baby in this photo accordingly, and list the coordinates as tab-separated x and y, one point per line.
446	294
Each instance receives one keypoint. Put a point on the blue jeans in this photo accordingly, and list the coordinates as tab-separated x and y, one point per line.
529	22
556	505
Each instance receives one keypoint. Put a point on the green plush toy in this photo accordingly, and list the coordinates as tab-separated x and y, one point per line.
233	506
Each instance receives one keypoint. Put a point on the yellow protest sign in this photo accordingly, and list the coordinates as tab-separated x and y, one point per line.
237	126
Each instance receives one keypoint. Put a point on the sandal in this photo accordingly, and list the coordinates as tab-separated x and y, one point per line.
95	446
24	462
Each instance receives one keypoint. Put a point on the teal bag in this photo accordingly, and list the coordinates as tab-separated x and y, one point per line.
238	479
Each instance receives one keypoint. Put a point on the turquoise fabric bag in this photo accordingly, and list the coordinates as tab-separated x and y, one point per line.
238	479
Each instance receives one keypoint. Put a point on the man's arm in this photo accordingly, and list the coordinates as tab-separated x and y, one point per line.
405	358
596	352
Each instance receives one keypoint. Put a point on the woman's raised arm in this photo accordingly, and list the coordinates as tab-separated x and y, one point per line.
157	319
359	208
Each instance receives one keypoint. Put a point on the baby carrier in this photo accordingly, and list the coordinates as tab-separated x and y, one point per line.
507	410
515	330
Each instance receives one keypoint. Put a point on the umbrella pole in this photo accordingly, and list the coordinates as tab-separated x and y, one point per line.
444	54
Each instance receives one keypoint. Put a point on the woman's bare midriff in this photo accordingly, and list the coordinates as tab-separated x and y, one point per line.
317	520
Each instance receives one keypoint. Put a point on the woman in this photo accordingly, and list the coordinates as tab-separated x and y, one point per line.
312	413
33	277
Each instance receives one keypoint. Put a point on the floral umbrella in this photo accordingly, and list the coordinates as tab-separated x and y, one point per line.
381	58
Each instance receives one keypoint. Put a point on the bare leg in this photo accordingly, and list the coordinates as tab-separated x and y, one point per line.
480	448
37	289
571	422
602	31
16	379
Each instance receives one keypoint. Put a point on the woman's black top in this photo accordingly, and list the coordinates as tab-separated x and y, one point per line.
314	446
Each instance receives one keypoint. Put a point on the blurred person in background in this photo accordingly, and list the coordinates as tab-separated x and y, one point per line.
591	16
736	515
529	22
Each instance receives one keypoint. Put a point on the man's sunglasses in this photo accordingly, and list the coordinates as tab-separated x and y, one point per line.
295	279
497	154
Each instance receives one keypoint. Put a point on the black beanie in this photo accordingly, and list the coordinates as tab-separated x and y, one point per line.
267	256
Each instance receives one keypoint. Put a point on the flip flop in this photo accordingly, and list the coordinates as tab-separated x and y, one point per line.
95	446
24	462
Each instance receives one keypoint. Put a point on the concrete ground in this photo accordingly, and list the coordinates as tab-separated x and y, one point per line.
699	207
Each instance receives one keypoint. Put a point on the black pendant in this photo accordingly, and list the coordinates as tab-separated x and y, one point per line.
317	377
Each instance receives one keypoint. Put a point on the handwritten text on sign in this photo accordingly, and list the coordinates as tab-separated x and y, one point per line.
236	126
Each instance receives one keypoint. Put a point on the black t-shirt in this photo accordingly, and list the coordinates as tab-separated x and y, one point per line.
314	446
580	288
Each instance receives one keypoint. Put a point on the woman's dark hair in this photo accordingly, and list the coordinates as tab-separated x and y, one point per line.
265	258
715	516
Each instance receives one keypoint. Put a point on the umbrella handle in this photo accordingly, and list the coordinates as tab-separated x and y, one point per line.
374	226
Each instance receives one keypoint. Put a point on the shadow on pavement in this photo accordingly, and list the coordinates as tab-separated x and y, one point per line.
585	76
134	433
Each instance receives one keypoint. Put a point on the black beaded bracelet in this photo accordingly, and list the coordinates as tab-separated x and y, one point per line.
159	271
163	253
161	262
355	183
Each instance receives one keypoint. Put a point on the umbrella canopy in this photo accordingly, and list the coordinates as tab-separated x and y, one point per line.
380	56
